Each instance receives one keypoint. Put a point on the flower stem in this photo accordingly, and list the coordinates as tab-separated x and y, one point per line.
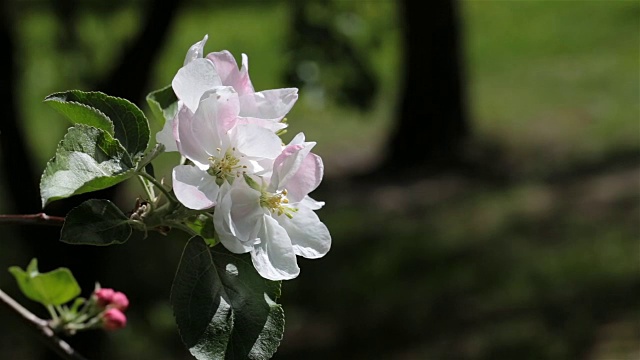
155	182
151	196
52	312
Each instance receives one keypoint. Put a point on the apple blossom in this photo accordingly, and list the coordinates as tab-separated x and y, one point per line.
104	296
273	217
120	301
113	319
220	149
199	74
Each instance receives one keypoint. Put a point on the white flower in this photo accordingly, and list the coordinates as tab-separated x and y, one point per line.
220	149
273	218
200	74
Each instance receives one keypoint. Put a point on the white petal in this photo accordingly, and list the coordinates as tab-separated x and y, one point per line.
222	221
274	257
165	136
311	203
216	114
227	69
193	79
269	124
189	145
245	211
194	188
309	236
196	51
234	245
256	142
269	104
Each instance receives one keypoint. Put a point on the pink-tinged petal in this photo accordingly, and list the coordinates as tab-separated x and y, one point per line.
273	257
227	69
194	188
216	113
298	139
196	51
309	236
245	211
287	164
165	137
255	141
247	86
269	104
306	179
188	144
193	79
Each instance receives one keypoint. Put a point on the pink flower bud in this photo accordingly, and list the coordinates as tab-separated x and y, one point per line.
104	296
113	319
120	301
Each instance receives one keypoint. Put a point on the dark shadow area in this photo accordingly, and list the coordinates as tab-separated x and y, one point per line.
500	216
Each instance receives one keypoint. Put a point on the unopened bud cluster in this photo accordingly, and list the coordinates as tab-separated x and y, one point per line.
104	309
113	303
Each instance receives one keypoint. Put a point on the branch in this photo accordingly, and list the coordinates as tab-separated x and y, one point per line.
35	219
41	326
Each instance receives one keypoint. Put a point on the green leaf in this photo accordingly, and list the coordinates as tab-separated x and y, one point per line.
52	288
95	222
223	308
87	159
79	113
163	103
129	125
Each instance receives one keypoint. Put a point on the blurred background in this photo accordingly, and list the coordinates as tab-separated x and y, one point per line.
482	169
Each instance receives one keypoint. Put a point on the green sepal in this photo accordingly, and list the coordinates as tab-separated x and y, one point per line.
252	183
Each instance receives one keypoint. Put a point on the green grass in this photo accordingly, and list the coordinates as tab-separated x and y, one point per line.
556	78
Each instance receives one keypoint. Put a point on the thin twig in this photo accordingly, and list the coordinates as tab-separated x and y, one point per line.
32	219
41	326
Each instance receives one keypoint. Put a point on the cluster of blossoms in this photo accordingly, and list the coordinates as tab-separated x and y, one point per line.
237	165
112	305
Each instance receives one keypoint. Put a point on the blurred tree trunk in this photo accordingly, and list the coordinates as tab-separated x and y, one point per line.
130	78
18	169
432	124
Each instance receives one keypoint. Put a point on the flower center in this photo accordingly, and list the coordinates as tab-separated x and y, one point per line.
277	203
225	167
